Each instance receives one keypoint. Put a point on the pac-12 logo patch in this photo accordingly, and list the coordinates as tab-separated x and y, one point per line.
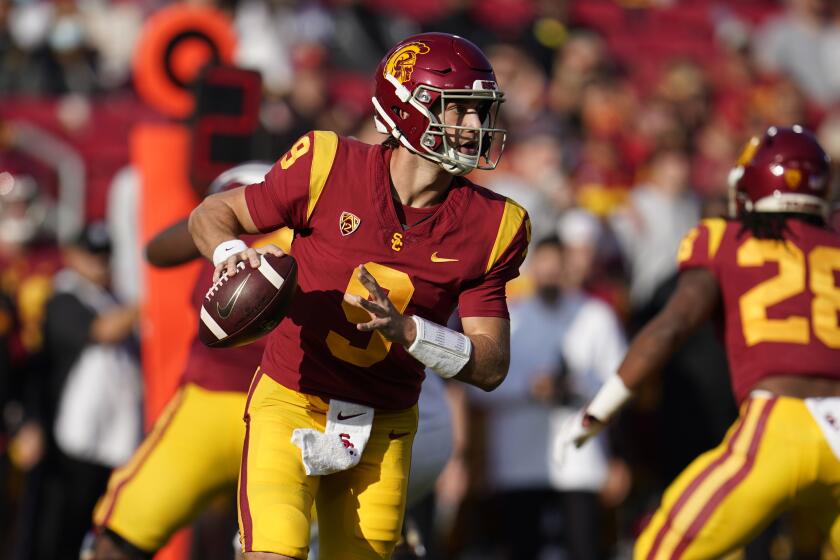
348	223
401	64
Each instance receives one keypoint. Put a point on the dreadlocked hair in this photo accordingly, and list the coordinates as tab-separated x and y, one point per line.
767	225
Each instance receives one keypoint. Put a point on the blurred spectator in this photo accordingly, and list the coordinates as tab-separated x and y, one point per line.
270	34
563	345
534	176
524	84
8	499
660	210
89	411
593	262
28	260
803	43
684	86
362	32
715	149
578	62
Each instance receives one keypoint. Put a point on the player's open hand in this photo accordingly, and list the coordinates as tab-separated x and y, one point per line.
384	317
251	255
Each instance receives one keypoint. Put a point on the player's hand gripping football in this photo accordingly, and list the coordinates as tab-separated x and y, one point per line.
393	325
251	255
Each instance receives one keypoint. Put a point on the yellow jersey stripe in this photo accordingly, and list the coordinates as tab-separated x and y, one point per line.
716	227
281	237
686	248
725	466
323	155
512	218
105	508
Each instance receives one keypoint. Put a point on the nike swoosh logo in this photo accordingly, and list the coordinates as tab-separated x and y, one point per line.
227	309
436	258
349	416
395	435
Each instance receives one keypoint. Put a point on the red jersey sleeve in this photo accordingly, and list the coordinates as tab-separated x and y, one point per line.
699	247
292	186
486	296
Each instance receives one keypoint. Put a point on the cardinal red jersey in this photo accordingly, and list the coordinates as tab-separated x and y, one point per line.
225	369
336	194
780	299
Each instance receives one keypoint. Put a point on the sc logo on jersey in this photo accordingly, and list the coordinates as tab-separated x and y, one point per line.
397	241
402	62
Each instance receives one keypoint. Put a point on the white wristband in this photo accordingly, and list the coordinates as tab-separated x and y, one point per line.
442	350
227	248
612	396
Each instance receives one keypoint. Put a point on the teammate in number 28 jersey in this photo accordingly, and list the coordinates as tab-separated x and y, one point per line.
772	274
389	240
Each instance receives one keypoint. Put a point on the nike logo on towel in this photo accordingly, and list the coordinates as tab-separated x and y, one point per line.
349	416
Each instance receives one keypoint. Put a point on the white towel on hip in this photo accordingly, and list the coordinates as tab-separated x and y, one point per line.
341	445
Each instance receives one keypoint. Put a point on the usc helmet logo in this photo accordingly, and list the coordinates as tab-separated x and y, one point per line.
401	64
793	177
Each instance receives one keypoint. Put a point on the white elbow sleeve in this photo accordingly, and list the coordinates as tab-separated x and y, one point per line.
612	396
442	350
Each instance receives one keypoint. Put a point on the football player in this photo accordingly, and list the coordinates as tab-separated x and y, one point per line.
389	239
772	274
192	453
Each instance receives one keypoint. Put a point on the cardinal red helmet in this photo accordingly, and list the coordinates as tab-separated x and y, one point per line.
786	170
414	83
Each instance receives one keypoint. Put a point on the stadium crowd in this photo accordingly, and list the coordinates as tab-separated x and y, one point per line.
624	118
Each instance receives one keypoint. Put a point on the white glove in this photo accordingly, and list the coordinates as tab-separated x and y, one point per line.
589	421
576	430
582	427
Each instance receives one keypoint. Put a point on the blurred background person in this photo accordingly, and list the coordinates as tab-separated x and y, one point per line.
659	211
90	394
563	345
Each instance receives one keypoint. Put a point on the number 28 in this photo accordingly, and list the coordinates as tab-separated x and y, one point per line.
789	282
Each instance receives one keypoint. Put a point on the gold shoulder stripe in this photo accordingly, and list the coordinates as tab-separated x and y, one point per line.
686	248
281	237
716	227
326	145
511	222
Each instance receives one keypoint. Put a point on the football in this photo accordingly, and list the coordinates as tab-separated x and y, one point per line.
240	309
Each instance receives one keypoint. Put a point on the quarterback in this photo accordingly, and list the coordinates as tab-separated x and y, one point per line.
771	273
389	239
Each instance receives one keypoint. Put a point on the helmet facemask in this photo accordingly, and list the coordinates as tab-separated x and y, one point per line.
441	142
